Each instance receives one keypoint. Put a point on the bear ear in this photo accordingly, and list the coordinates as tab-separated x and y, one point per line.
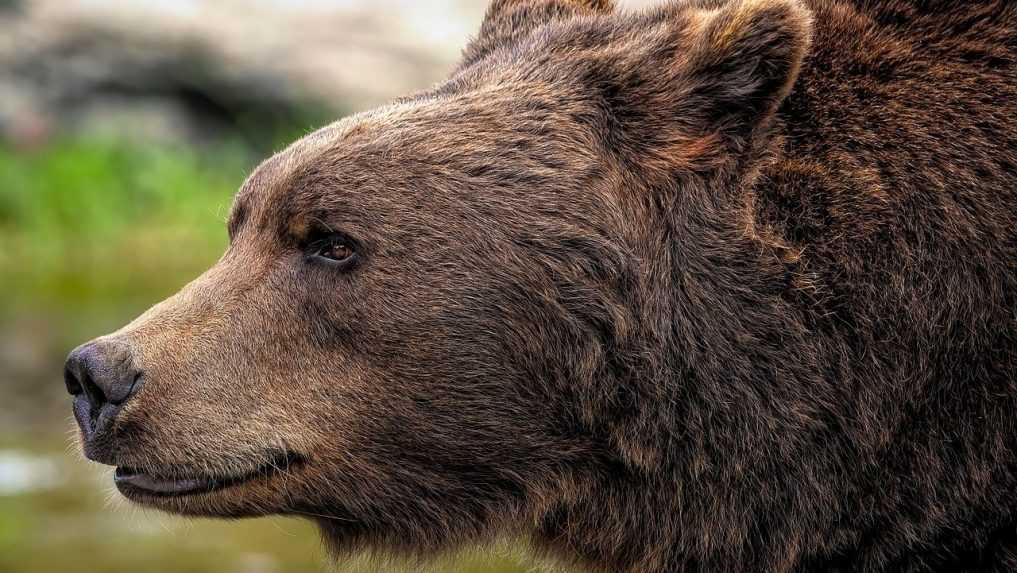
743	61
508	20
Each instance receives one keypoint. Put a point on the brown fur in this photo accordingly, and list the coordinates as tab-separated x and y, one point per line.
720	286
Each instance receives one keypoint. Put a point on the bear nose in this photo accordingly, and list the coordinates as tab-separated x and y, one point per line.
101	379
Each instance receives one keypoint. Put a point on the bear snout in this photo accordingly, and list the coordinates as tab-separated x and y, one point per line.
102	378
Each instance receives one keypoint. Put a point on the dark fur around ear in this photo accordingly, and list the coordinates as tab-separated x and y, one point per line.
744	60
508	19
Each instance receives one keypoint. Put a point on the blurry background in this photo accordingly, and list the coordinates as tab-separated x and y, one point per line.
125	128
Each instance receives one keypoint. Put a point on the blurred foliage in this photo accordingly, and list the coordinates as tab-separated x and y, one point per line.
84	222
64	530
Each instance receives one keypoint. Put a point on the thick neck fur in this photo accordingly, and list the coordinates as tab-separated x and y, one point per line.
837	361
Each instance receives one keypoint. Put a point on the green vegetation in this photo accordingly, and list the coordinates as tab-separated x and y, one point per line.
94	231
89	221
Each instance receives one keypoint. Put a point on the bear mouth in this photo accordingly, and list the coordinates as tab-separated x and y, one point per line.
135	482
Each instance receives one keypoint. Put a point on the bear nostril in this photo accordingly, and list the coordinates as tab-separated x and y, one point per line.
71	380
94	393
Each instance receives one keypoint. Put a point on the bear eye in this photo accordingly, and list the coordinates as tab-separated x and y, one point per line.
334	249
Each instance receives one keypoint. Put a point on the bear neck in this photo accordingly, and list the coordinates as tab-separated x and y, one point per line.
736	364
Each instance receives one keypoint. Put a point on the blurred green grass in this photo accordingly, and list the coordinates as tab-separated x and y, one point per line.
95	230
88	221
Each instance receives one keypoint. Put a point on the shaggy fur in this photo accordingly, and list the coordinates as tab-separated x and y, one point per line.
719	286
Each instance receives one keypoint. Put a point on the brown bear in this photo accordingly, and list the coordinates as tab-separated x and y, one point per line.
718	286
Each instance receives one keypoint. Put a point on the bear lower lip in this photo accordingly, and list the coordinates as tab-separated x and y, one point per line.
130	479
138	482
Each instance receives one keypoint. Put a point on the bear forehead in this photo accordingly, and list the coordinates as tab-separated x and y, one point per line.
507	127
